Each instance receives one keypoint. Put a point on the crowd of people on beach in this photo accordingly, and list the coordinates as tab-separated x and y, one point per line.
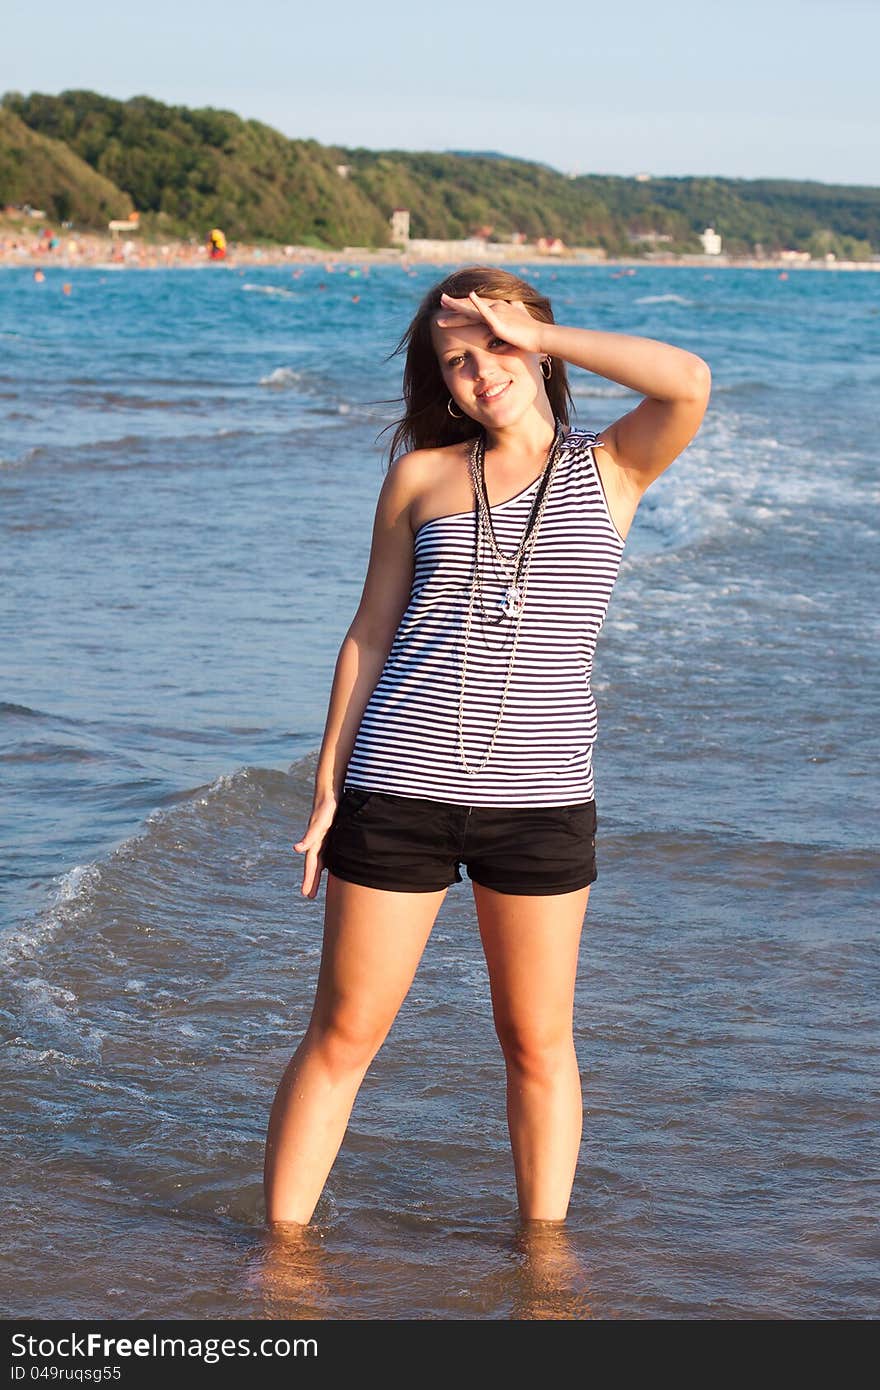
73	248
68	248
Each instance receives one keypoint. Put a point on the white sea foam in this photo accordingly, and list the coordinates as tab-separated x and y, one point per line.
75	889
53	1011
27	940
281	378
274	291
26	457
664	299
722	477
579	388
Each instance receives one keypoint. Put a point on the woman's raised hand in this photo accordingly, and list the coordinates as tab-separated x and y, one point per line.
511	320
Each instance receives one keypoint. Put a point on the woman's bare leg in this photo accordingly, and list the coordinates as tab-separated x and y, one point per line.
531	946
373	942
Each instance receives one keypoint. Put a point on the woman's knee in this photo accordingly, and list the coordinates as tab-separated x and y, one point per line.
537	1052
346	1038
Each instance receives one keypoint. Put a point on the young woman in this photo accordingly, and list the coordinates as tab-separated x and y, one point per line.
461	722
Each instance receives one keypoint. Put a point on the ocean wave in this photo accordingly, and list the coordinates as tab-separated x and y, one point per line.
323	392
736	473
766	864
182	835
740	388
273	291
579	389
43	752
29	456
73	893
141	380
665	299
282	378
160	450
134	948
21	711
119	400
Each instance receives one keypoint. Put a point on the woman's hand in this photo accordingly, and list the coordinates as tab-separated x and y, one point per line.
312	844
509	320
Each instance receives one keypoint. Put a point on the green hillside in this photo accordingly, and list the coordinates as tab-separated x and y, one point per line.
186	170
48	174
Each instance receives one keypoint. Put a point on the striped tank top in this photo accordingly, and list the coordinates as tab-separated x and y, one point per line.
408	739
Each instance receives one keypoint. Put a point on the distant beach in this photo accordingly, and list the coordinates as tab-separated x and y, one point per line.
70	249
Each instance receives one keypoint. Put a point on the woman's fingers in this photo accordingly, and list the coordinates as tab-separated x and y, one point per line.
463	313
472	307
311	845
311	874
507	319
309	886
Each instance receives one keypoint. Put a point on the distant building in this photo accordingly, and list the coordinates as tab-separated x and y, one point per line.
472	248
124	224
711	242
648	238
343	170
549	246
400	226
643	178
24	210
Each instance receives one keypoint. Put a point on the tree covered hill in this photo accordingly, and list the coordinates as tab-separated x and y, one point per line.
48	174
189	170
81	154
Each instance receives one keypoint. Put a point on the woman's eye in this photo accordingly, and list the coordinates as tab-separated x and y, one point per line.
493	342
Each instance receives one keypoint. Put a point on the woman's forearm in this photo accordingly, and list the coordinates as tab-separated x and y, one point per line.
645	365
358	668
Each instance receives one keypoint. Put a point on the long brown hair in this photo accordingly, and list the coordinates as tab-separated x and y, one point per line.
426	422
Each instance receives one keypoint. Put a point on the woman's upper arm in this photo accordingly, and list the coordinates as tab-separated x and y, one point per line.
644	442
390	570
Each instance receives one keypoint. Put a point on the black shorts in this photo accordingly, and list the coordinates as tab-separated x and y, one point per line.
411	845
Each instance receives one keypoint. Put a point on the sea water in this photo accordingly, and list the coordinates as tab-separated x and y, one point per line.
189	462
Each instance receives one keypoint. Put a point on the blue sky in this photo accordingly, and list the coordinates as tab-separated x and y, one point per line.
783	88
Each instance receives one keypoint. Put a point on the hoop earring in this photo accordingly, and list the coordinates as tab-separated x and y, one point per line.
456	414
549	372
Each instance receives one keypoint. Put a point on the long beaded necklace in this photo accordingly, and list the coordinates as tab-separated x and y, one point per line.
514	567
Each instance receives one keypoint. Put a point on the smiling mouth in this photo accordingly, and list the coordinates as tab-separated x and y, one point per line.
494	393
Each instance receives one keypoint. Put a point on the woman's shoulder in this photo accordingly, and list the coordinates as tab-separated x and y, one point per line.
435	453
421	467
429	481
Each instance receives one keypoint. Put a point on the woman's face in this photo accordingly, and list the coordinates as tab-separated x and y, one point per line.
491	381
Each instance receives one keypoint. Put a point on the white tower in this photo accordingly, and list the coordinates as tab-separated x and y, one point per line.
711	242
400	226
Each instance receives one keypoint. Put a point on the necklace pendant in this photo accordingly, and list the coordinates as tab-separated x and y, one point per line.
512	602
